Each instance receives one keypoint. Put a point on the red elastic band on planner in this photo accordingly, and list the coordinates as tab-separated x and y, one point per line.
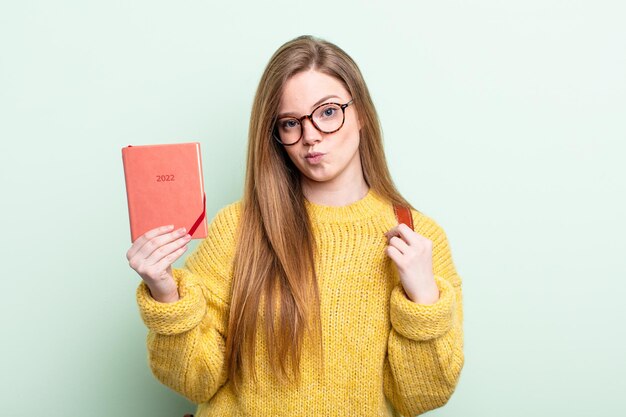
197	223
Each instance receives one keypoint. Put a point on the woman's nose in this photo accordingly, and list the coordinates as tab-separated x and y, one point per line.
309	132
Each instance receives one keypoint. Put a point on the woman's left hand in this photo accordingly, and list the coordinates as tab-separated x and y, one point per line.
413	255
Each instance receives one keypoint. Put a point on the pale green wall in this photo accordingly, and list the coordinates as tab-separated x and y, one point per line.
503	120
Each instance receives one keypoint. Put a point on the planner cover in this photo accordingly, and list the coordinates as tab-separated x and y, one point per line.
164	185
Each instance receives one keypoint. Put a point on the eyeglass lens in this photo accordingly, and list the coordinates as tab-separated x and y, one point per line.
327	118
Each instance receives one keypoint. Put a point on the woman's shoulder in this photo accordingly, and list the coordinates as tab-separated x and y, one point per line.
223	226
427	226
212	259
218	246
228	214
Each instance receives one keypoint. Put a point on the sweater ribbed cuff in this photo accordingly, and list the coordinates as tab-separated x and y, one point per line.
179	316
422	321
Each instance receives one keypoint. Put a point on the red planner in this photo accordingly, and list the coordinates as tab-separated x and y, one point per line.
164	185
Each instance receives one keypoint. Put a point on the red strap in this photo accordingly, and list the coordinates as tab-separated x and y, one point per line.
403	214
197	223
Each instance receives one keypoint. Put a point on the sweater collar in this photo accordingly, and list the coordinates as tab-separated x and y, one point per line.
369	206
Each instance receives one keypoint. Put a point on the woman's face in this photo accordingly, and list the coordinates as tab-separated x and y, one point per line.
339	163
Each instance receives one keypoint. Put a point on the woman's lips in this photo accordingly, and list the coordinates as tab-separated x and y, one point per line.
315	157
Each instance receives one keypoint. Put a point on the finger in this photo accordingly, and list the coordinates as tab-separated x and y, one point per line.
167	249
408	235
399	244
392	232
156	242
141	240
394	254
169	259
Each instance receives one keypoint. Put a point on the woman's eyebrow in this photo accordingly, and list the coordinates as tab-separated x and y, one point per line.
320	101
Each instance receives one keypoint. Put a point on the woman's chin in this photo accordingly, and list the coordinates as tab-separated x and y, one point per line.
318	176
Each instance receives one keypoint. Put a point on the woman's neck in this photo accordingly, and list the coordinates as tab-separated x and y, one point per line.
335	195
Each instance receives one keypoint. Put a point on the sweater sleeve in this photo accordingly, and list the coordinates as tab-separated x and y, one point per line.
186	338
425	345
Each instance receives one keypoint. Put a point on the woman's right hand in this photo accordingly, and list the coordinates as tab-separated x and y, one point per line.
152	256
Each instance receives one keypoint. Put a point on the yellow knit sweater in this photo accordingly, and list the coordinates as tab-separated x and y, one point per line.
383	353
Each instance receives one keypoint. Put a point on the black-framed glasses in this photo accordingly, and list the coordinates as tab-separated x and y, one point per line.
327	118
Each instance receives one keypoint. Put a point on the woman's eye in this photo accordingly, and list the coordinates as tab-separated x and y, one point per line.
289	124
329	111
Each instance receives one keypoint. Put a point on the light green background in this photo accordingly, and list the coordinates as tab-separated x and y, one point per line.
505	121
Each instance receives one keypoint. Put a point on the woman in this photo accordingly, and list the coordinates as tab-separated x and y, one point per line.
307	297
